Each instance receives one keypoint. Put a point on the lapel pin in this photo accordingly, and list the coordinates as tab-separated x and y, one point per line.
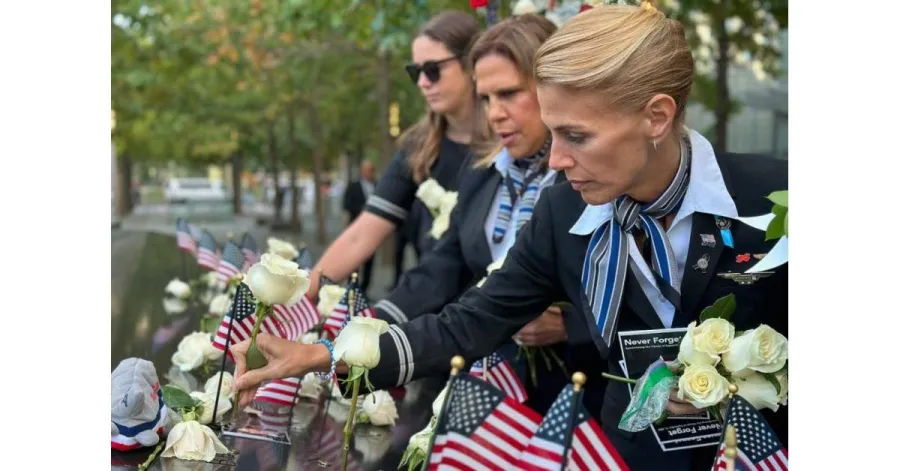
745	278
743	258
724	226
702	264
759	256
708	240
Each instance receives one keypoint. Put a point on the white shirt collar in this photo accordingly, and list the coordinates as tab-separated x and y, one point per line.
706	192
502	161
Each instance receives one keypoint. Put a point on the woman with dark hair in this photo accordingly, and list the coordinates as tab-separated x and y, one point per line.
436	147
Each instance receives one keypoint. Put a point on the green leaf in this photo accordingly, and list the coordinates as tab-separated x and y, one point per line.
772	379
780	198
778	210
776	228
176	398
723	308
785	225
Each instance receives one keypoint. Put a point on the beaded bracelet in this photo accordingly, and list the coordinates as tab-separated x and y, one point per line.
328	344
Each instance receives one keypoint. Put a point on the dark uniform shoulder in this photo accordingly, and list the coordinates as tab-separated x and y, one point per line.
750	178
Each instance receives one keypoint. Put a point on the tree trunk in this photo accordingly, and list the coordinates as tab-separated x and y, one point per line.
273	168
723	96
293	158
123	186
236	170
318	159
387	142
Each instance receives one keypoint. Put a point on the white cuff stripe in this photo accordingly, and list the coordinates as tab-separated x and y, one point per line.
392	310
378	202
404	354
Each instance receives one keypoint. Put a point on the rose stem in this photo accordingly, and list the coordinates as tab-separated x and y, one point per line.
348	428
261	312
146	464
620	379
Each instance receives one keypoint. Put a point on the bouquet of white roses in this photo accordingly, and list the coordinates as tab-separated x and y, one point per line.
439	202
713	356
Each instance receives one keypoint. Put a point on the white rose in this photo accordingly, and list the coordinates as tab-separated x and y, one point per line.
174	306
431	192
192	440
209	403
440	225
438	405
380	408
179	289
762	349
213	383
701	345
702	385
211	279
309	338
758	391
310	386
329	297
282	248
448	202
357	344
220	305
524	7
193	350
274	280
714	336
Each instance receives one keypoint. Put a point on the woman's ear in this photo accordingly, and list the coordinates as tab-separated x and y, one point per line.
660	113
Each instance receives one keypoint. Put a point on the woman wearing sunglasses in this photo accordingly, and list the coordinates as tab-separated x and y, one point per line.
436	147
613	85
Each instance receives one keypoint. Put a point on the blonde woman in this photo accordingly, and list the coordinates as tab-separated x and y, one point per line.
613	84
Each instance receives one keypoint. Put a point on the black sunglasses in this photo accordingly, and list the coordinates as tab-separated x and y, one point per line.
432	70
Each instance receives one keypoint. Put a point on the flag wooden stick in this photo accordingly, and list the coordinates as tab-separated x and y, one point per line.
578	380
456	365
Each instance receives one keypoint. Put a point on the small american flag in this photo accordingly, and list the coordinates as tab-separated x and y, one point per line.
280	392
501	374
207	252
183	235
285	322
758	447
589	447
304	259
339	317
250	249
481	428
231	263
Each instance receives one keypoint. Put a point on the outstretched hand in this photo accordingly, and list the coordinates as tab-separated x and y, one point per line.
285	359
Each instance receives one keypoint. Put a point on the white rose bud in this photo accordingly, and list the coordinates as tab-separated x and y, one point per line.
762	349
191	352
220	305
421	439
702	386
329	297
758	391
440	225
213	383
192	440
179	289
380	408
431	192
209	403
174	306
283	249
357	344
438	403
274	280
714	336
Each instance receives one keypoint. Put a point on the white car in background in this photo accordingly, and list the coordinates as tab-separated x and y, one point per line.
183	190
